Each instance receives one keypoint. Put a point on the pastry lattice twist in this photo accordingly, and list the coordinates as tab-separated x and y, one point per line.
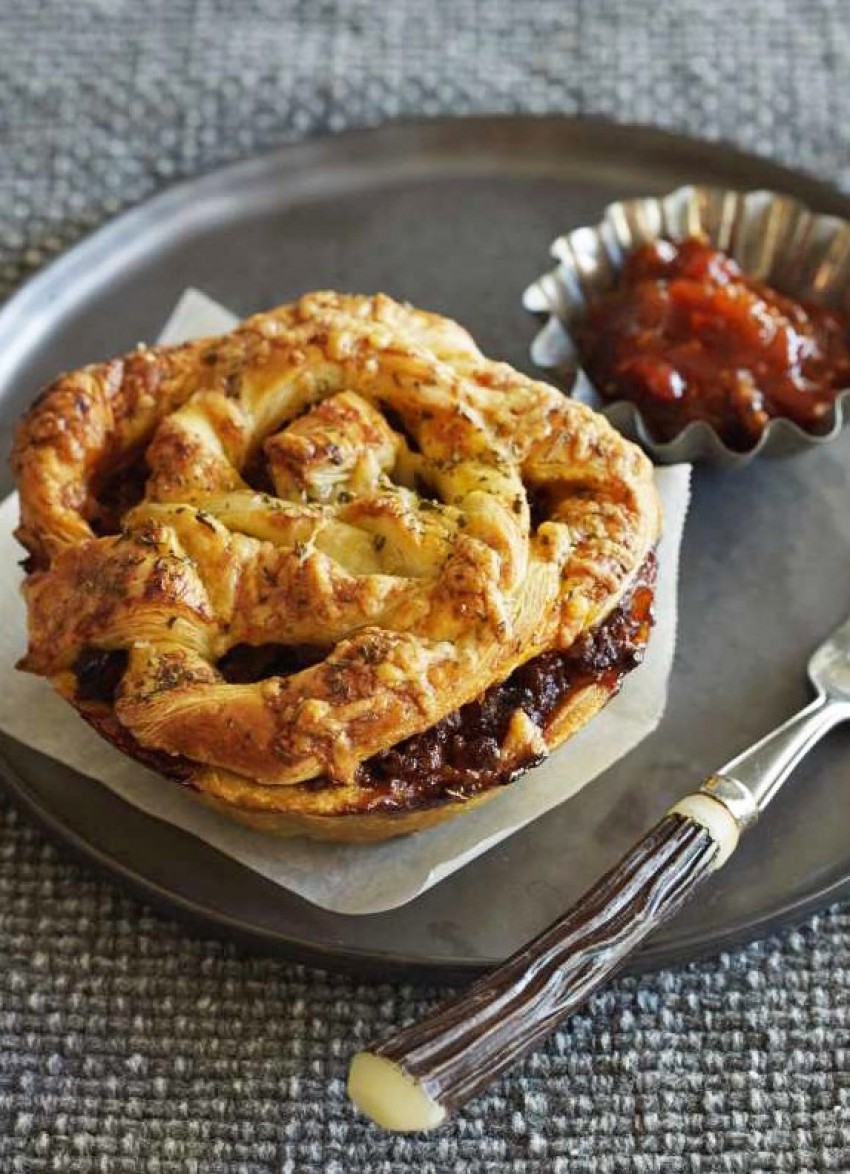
433	519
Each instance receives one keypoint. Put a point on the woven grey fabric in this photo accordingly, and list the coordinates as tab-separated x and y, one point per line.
126	1044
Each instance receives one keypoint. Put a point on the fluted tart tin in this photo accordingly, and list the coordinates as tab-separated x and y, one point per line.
774	238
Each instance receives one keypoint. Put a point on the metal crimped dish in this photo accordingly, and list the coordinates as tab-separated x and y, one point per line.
773	237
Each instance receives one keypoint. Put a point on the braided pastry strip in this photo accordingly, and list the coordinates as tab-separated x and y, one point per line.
398	540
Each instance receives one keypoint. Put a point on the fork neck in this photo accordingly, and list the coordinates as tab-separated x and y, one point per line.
763	768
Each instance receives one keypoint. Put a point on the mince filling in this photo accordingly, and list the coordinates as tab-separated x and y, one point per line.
99	674
247	663
460	756
115	492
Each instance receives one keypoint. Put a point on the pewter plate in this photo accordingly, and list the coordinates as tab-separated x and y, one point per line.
457	216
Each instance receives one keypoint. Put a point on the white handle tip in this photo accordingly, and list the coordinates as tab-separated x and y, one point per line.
390	1097
716	818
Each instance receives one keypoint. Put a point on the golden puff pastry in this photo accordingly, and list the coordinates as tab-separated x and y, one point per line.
336	570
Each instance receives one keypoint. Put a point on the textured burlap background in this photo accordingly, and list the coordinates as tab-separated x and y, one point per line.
126	1045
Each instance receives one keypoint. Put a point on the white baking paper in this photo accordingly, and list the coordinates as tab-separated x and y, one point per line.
352	879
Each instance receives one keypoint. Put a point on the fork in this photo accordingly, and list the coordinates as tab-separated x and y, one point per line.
413	1080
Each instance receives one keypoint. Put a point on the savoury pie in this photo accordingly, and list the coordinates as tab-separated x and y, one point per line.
336	571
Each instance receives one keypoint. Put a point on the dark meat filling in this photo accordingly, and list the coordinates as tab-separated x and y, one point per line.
115	493
460	755
99	674
246	663
256	473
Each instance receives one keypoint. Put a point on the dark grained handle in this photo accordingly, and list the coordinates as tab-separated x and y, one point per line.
413	1080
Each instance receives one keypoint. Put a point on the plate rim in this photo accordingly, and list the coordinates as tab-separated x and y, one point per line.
156	203
192	913
152	208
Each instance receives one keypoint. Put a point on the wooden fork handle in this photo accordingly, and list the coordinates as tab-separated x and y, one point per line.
413	1080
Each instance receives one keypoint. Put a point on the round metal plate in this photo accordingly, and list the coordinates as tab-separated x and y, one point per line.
456	216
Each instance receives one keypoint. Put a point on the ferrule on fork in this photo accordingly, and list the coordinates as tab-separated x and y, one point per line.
731	800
